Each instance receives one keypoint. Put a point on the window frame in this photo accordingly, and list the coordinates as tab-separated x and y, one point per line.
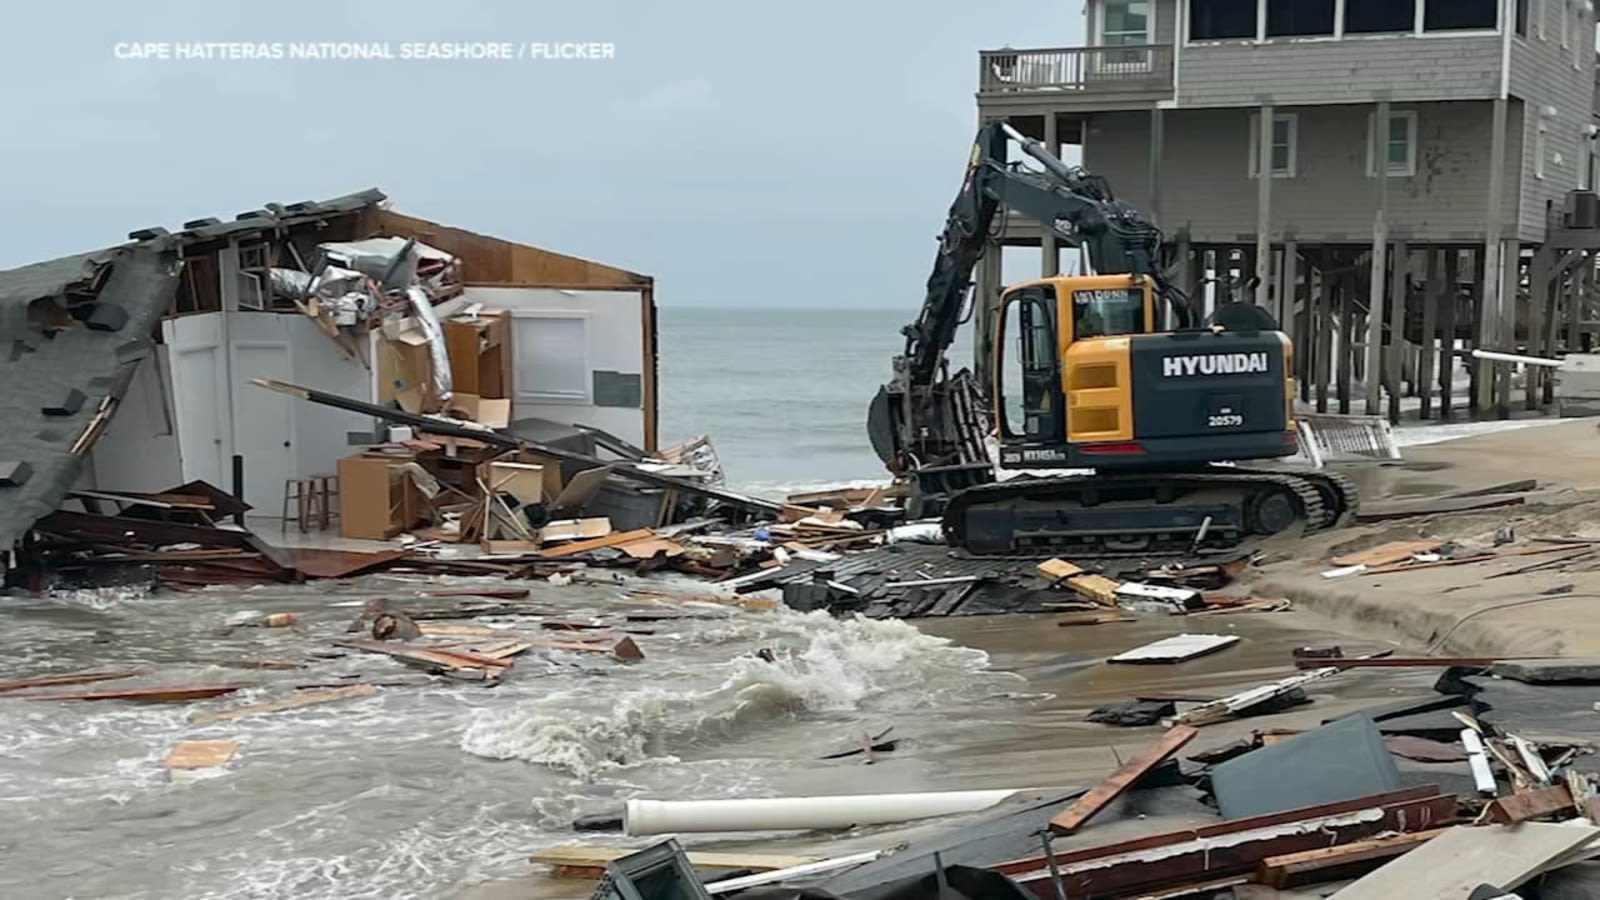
1541	150
1149	23
531	396
1293	121
1409	169
1185	20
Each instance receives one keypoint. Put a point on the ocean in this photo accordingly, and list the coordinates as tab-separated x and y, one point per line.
782	393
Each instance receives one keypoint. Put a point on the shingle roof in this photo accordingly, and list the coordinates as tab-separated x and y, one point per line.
48	351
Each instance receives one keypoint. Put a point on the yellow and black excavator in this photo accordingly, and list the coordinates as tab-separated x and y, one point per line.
1111	372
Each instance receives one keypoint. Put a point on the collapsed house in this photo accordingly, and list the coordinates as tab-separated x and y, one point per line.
132	366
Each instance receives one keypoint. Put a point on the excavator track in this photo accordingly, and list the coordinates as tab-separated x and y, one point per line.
1219	507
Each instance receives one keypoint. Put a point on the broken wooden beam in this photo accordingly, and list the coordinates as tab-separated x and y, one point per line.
1525	806
1324	864
1229	848
1403	662
1071	818
582	861
59	680
147	695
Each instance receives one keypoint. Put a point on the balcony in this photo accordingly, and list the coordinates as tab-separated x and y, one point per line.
1090	72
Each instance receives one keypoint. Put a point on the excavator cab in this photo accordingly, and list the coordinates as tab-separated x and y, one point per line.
1088	375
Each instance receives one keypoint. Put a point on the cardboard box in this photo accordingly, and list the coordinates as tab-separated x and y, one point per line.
405	373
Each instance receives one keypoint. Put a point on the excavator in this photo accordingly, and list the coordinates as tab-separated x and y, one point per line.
1139	412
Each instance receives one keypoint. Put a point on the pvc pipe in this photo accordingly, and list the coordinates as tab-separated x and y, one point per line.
1517	358
644	817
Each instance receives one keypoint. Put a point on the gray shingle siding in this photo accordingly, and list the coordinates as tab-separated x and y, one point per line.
1560	96
1408	69
1206	183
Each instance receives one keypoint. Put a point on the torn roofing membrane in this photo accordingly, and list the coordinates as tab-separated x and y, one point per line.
72	332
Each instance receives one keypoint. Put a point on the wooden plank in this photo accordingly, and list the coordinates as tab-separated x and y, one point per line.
1387	554
622	649
444	628
599	543
505	649
1399	509
1338	863
409	653
1456	863
1098	588
58	680
200	754
1057	569
1073	817
254	709
584	861
1092	617
1403	662
1526	805
148	695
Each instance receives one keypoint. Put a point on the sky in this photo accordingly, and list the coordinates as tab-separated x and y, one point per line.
743	154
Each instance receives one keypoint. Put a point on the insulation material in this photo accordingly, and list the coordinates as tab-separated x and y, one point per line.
434	329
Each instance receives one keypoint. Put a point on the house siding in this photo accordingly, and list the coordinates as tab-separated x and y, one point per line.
1309	72
1561	97
1206	185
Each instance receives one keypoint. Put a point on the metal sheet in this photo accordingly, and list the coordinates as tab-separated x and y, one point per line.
1177	649
1336	762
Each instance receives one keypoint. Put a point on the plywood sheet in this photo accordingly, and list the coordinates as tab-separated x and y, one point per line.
1387	554
1454	864
1177	649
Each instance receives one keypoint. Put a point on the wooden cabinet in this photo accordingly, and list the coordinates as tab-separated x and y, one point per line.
376	499
480	355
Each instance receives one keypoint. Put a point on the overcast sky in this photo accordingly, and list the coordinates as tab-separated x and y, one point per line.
742	153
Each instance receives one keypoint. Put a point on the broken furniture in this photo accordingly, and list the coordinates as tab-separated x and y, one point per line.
313	499
480	354
377	499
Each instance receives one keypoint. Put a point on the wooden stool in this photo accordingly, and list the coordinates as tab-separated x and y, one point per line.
314	501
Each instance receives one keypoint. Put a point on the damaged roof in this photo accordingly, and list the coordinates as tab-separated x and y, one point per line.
72	331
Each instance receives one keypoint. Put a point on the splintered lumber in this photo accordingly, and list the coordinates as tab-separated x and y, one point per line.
269	706
148	695
502	649
424	656
1228	707
1526	805
1071	818
600	543
624	649
449	630
1456	863
1338	863
1236	847
58	680
1401	662
1177	649
583	861
200	754
1092	617
1387	554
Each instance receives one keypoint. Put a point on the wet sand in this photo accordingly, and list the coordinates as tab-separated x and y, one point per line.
1479	609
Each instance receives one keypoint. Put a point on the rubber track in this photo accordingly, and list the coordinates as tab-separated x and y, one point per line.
1309	487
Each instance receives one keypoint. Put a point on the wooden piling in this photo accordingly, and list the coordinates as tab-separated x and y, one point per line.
1433	294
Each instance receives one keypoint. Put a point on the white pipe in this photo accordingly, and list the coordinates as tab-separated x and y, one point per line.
1517	358
642	817
777	875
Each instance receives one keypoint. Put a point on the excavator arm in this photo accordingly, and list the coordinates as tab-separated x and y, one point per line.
930	422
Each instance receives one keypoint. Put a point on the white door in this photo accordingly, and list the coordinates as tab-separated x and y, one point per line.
264	427
199	398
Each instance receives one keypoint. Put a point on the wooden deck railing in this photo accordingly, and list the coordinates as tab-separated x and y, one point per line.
1124	68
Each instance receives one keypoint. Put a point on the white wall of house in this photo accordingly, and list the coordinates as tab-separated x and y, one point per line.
578	353
139	450
209	409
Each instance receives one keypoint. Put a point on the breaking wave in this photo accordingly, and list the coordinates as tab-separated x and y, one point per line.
817	665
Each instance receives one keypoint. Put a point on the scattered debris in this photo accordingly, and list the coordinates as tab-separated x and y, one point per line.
201	754
1133	713
147	695
58	680
1070	819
